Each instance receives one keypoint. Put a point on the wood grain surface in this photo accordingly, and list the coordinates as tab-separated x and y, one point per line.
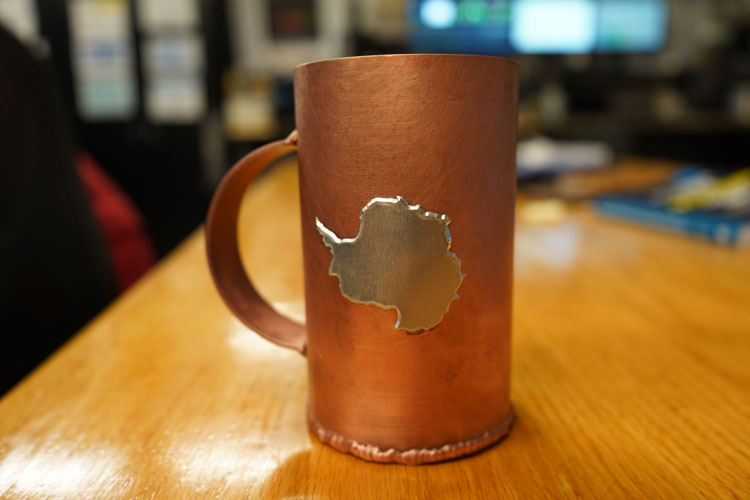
631	379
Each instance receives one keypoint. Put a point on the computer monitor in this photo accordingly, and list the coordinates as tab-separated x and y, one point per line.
459	26
632	25
584	26
553	26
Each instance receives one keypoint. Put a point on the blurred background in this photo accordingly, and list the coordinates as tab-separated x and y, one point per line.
119	118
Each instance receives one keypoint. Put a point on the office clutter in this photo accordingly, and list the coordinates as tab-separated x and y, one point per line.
696	202
544	156
712	204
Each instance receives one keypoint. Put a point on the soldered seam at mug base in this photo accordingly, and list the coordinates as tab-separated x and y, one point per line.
414	456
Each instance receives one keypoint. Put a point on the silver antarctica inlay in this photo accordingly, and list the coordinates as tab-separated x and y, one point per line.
400	259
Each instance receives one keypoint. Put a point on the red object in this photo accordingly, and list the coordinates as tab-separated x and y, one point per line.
130	249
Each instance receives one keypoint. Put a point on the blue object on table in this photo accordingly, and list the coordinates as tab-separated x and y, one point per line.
651	208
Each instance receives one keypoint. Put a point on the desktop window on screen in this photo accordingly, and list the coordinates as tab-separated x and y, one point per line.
459	26
583	26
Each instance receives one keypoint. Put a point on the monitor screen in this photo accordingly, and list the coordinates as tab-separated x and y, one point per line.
459	26
632	25
553	26
582	26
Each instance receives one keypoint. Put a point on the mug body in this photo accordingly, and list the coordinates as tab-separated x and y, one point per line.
440	132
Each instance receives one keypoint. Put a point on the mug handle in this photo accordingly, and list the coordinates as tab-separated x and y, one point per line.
230	278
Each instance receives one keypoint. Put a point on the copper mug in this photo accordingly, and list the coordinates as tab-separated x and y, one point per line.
408	319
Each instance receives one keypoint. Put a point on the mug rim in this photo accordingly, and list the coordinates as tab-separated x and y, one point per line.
407	56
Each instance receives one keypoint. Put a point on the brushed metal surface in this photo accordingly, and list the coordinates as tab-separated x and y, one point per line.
400	259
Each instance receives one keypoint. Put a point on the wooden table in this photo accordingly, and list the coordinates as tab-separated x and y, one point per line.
631	379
